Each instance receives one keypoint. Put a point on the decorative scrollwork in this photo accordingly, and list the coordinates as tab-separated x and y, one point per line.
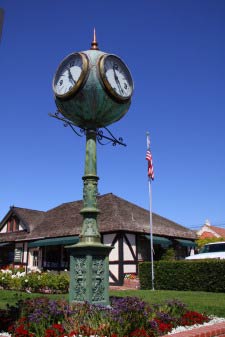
80	270
98	284
100	136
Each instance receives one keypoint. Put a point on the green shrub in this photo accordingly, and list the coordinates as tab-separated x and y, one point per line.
202	275
5	280
55	282
35	281
31	281
63	281
15	283
169	255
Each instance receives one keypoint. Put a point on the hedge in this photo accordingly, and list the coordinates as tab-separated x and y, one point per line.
201	275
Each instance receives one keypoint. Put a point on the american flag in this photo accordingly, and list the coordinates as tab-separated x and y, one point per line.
149	159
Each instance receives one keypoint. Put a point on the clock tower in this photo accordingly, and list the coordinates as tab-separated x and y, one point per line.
92	90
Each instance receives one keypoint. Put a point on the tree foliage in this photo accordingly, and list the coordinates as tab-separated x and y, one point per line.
201	242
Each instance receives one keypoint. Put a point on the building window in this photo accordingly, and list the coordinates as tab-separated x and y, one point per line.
7	255
35	258
55	257
52	257
143	248
18	255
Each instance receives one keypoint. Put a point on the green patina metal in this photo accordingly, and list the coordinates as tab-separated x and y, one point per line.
90	232
89	267
89	271
92	107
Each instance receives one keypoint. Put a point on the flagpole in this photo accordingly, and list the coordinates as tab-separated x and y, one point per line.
151	236
150	178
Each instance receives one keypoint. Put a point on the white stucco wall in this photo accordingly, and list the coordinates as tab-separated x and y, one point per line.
129	268
126	250
114	269
4	229
107	240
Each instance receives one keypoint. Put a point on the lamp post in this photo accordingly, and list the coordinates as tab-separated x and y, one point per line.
92	90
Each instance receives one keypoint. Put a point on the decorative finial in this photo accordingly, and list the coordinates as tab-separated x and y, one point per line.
94	44
207	222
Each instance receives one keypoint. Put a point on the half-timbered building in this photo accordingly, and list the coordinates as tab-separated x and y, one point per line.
37	239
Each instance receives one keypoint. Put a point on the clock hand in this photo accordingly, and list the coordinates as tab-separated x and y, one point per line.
117	81
71	81
71	76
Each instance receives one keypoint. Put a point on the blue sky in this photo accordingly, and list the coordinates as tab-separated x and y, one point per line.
175	50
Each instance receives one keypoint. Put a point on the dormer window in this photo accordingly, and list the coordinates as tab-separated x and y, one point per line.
13	224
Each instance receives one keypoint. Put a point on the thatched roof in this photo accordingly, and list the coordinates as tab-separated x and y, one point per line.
116	214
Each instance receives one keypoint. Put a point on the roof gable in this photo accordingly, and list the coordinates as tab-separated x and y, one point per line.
219	231
10	216
26	220
207	235
213	230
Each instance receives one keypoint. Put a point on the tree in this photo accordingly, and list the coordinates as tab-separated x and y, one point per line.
201	242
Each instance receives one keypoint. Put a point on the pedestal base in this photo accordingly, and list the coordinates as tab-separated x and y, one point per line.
89	273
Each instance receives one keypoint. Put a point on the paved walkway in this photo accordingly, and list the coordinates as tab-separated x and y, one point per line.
120	288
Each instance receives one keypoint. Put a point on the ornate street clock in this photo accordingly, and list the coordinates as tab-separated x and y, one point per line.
92	89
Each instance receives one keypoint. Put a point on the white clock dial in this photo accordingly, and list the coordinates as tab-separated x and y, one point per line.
116	77
70	75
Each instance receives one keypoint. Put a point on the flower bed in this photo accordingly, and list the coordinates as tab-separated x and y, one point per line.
45	282
127	316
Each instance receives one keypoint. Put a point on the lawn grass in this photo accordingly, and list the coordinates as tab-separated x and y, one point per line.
209	303
10	297
204	302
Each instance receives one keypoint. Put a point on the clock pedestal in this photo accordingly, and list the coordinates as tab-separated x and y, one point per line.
89	274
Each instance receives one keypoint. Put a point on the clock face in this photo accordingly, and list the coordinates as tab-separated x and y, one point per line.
70	75
116	77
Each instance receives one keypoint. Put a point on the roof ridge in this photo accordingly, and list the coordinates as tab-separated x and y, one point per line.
75	201
27	209
125	200
64	203
215	227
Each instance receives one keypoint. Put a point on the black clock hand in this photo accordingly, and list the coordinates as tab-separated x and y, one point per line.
71	76
117	81
72	81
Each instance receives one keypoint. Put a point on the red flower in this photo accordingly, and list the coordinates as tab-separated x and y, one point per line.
86	330
163	327
20	329
139	333
56	330
193	317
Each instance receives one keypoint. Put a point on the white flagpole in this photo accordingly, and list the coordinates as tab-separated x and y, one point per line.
151	234
150	219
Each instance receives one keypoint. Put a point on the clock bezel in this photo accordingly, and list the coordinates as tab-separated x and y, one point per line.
82	79
106	84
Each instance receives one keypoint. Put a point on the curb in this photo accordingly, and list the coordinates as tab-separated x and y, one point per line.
204	331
